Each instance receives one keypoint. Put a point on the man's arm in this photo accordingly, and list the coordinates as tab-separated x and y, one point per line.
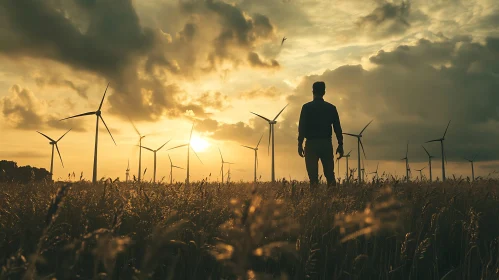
337	127
301	126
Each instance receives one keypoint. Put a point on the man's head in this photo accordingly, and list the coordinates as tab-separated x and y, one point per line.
319	89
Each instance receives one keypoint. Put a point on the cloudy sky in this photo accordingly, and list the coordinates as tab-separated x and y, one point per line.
411	66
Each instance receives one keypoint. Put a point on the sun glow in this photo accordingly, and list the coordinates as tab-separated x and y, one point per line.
199	144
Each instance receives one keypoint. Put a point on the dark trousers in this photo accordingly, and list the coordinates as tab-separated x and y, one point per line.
322	149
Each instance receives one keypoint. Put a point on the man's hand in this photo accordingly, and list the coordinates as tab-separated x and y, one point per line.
301	152
339	150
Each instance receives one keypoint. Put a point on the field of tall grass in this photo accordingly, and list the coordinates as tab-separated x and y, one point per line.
380	230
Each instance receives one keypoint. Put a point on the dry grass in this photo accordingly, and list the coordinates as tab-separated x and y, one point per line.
381	230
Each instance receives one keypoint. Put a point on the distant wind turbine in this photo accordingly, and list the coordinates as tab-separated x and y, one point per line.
441	140
429	162
376	172
223	162
140	150
283	39
256	154
406	163
359	144
171	169
189	148
127	171
346	158
472	161
271	134
98	115
155	151
421	173
54	143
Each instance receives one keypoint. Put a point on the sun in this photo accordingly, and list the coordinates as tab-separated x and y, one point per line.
199	144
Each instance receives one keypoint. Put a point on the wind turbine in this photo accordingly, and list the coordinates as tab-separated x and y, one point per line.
359	144
171	169
347	156
441	140
421	173
256	155
429	161
127	173
271	134
188	154
54	143
406	163
472	161
98	115
140	150
376	172
223	162
155	151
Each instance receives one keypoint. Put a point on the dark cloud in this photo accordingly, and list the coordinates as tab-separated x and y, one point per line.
389	19
255	61
57	81
411	94
270	92
138	61
23	110
20	109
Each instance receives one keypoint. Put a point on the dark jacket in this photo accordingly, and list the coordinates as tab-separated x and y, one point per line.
316	118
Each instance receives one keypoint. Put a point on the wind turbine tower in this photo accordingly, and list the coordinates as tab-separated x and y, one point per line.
429	162
271	135
441	140
54	143
155	151
359	145
256	156
98	115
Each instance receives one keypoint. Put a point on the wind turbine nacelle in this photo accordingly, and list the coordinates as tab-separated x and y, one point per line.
98	113
272	122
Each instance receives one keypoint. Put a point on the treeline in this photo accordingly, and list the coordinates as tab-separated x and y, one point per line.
10	172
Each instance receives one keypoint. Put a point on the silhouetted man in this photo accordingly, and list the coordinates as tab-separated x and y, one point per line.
316	119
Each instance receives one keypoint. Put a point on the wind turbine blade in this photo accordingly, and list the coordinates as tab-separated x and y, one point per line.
174	166
259	140
229	162
248	147
196	155
354	135
257	160
280	112
170	159
407	150
102	101
221	155
190	137
365	127
178	146
423	168
362	145
426	151
80	115
446	129
163	145
147	148
134	127
58	152
261	116
349	153
102	119
46	136
434	140
63	135
270	134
